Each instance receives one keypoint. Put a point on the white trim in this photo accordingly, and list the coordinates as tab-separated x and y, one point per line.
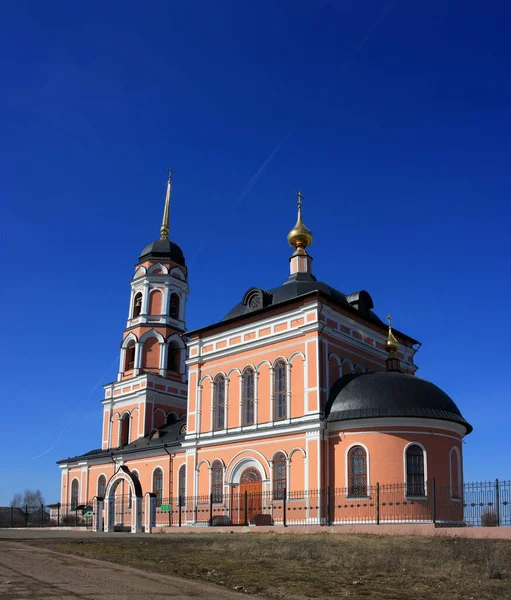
265	477
396	431
244	463
397	422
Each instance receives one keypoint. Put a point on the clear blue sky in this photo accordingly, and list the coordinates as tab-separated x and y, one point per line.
392	118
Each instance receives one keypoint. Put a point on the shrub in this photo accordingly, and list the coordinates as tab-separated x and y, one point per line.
489	518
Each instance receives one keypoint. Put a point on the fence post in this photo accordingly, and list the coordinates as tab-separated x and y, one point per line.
42	515
497	502
58	514
377	503
433	493
245	508
328	506
179	504
12	516
211	510
76	517
26	515
284	507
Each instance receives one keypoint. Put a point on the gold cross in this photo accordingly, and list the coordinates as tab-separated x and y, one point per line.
300	199
389	319
170	174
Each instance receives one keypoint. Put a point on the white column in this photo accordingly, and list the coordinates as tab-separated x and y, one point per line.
145	299
150	511
212	405
241	402
163	359
288	475
288	390
226	404
121	363
199	411
166	299
130	311
256	398
97	517
272	394
138	358
136	514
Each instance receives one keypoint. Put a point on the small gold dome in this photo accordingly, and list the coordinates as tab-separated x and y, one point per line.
391	344
300	236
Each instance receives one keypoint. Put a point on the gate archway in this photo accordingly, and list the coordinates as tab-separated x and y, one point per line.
123	510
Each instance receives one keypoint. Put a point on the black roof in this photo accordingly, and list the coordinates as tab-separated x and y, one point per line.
170	435
163	249
390	394
299	285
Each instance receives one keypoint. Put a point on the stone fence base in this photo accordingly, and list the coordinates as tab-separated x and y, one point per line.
423	529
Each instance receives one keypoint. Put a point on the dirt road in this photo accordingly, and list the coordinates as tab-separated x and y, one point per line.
37	574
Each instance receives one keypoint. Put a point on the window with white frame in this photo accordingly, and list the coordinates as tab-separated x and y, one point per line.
219	403
280	391
415	484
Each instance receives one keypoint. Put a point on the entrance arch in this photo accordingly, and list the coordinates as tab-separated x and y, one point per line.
119	511
247	497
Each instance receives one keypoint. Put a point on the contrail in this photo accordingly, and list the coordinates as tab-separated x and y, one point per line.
260	171
71	417
253	180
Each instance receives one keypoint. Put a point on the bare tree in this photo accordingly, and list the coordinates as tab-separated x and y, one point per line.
17	500
30	498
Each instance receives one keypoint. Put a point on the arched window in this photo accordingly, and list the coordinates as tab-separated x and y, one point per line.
280	388
137	305
174	357
248	397
158	486
74	494
155	303
182	485
124	437
129	356
174	306
101	486
217	481
357	472
219	403
279	476
415	471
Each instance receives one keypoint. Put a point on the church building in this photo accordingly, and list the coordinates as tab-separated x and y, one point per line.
299	406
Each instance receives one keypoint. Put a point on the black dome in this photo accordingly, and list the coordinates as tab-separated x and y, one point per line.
390	394
163	249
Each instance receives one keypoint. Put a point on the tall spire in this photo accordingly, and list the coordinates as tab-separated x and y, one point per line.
165	227
299	238
392	345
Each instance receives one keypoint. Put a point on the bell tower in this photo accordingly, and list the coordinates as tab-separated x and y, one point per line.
151	387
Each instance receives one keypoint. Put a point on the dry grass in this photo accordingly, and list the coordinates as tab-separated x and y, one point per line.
319	565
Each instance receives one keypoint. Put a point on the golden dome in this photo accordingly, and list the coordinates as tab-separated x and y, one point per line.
391	344
300	236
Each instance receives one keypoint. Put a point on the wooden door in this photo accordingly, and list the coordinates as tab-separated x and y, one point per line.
246	499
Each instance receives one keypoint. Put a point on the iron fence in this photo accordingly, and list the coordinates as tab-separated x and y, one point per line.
473	504
50	515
